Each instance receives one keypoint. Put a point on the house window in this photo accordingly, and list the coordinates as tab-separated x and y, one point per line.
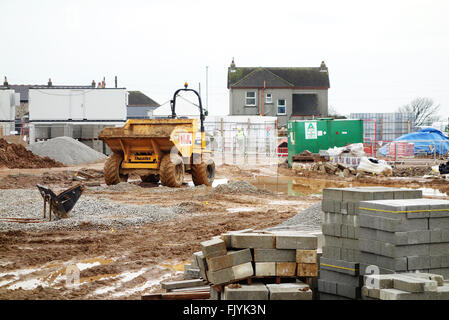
268	98
281	106
250	98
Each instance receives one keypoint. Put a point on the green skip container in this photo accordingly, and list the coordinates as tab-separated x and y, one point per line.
322	134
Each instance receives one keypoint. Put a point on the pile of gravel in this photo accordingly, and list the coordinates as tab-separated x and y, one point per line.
132	186
93	211
310	217
238	187
66	150
121	187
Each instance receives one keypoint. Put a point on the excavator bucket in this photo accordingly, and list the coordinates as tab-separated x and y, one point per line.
60	204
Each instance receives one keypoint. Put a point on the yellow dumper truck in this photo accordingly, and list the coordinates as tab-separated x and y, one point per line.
159	149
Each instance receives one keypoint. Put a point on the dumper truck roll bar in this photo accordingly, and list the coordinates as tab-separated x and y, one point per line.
173	105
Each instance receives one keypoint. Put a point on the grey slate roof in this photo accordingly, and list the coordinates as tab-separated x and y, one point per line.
278	77
137	98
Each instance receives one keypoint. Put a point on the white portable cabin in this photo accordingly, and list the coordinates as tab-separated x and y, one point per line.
75	104
8	102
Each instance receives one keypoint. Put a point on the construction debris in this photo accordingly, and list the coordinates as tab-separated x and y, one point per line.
307	156
443	168
330	168
351	150
366	166
374	166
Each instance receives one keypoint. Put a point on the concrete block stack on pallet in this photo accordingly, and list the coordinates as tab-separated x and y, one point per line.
340	262
249	265
405	286
405	235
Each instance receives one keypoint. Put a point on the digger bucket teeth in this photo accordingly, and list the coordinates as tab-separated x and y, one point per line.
63	203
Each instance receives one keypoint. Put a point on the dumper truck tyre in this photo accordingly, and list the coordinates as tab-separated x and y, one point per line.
151	178
172	170
203	173
112	170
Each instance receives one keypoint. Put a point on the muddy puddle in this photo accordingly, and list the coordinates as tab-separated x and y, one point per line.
297	186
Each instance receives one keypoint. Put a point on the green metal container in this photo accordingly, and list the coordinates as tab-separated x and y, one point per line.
321	134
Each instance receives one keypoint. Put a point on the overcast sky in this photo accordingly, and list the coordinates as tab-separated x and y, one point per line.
380	54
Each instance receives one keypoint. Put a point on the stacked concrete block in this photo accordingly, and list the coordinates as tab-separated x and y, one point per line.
260	291
340	225
339	266
302	248
289	291
229	260
192	271
275	253
223	266
405	286
201	263
339	278
255	291
405	235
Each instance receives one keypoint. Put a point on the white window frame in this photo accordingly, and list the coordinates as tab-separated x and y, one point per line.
284	105
268	100
246	99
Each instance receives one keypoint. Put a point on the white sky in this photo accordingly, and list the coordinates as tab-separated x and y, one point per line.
380	54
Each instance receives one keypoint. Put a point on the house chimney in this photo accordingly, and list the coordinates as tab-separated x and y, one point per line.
5	83
323	67
93	84
232	65
116	81
49	82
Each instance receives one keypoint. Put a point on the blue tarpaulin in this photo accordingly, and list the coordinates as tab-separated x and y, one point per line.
426	141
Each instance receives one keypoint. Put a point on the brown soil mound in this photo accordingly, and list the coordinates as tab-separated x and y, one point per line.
15	156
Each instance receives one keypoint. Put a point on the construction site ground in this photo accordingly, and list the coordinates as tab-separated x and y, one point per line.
123	254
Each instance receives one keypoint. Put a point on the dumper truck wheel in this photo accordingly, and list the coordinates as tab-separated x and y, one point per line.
152	178
112	170
172	170
203	173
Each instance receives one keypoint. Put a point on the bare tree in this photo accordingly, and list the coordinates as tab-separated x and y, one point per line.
333	113
424	109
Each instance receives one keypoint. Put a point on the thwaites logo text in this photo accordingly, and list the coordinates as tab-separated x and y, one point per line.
185	139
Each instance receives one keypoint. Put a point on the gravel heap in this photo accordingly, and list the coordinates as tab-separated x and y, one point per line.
239	187
67	151
310	217
26	203
133	186
122	186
